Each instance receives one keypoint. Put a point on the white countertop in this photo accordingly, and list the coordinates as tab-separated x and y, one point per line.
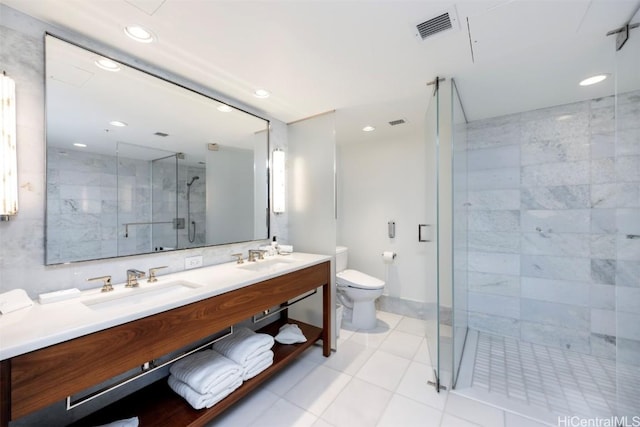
43	325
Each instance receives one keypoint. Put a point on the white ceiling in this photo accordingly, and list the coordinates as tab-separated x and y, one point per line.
364	58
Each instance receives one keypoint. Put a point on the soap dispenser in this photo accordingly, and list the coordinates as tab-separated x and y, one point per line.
274	246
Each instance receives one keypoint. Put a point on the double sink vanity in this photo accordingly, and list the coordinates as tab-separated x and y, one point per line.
51	352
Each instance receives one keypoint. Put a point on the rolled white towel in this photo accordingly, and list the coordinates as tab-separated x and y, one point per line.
198	400
130	422
244	345
257	365
290	334
206	371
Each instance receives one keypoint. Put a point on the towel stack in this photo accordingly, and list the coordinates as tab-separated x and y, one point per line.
248	349
205	378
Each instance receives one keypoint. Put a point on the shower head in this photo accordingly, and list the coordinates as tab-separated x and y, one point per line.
192	179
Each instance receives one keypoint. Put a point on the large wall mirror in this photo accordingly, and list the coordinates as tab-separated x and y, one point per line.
137	164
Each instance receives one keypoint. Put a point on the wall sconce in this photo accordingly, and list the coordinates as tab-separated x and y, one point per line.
8	152
278	180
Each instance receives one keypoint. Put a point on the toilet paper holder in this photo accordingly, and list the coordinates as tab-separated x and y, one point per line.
389	255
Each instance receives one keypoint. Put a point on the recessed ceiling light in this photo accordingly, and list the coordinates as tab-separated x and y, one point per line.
77	144
117	123
107	64
368	129
593	80
139	34
261	93
224	108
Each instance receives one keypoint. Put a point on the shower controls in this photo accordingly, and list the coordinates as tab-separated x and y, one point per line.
178	223
191	224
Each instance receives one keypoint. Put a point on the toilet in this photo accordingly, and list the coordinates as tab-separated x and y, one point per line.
357	291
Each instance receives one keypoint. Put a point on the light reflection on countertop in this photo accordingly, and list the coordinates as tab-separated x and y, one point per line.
41	325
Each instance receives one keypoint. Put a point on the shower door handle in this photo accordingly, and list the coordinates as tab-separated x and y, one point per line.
421	237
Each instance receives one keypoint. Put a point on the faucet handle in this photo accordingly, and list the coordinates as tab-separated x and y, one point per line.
152	273
106	285
239	259
132	278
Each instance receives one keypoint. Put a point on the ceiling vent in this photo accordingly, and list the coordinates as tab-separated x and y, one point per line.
397	122
443	22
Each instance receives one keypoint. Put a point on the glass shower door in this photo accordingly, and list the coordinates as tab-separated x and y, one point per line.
627	215
439	329
447	327
432	142
460	238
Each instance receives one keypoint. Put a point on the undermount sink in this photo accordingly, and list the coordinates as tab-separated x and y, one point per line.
127	297
267	265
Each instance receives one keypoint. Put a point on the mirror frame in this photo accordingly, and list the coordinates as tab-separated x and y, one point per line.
165	76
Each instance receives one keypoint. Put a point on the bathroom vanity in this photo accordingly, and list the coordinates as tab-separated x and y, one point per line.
57	365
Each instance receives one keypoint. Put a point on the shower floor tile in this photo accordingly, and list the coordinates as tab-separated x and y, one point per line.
549	381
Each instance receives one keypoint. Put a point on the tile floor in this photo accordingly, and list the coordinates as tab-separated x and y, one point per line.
376	378
562	382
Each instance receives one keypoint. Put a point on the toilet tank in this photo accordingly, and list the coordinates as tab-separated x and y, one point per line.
341	258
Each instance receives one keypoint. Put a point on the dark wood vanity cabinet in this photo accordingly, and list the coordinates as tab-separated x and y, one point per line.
32	381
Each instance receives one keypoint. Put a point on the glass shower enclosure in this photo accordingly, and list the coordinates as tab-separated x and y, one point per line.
539	251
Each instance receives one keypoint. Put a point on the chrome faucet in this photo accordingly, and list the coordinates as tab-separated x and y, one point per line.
132	278
253	253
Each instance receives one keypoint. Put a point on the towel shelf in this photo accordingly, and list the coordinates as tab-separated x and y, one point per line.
175	411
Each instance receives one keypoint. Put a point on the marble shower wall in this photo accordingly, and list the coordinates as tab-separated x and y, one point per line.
165	200
553	197
82	209
89	200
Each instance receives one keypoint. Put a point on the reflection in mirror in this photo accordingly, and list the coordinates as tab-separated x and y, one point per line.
136	164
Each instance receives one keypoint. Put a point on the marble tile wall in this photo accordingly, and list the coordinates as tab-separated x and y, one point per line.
90	198
554	208
82	198
166	206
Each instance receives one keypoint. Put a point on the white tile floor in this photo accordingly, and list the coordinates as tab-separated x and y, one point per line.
562	382
376	378
545	382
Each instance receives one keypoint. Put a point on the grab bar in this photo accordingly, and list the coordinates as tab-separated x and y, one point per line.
126	225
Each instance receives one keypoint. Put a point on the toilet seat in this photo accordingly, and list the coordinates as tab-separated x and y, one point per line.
358	280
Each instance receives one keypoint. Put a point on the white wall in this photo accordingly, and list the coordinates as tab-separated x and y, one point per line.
230	198
311	201
383	180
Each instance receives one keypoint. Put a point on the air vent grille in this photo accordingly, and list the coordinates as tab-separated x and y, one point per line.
397	122
435	25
